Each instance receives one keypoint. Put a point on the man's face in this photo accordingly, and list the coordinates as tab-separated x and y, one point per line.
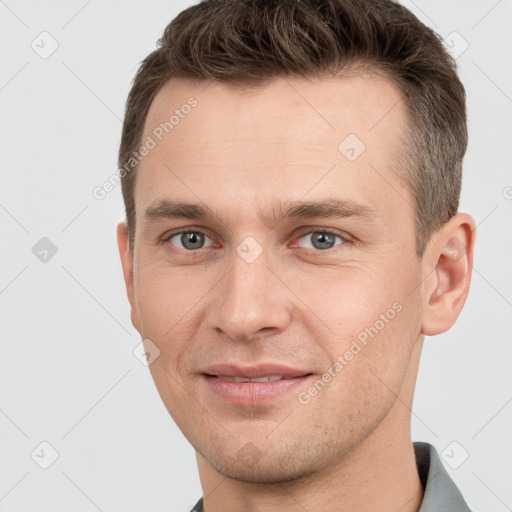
249	287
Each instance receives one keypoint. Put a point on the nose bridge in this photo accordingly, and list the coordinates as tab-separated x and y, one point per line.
251	296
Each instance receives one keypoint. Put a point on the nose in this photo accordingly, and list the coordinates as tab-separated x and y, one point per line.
251	301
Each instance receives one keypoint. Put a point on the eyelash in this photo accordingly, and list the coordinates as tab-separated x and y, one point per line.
344	238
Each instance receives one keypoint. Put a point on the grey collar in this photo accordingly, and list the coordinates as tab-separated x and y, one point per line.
441	493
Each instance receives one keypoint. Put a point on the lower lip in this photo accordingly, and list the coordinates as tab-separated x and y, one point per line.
249	393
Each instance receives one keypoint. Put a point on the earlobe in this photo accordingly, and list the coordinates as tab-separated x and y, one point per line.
127	265
447	286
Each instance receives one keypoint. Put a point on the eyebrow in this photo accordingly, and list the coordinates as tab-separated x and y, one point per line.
290	210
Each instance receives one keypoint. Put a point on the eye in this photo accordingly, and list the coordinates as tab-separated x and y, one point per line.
189	240
322	240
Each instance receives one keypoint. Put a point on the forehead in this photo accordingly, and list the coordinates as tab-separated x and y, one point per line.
364	103
288	137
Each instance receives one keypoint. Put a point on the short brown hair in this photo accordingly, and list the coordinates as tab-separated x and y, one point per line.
248	42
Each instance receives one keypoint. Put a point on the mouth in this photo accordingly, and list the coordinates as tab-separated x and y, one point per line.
255	385
265	378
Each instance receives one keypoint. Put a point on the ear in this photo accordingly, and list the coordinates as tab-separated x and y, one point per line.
448	261
127	264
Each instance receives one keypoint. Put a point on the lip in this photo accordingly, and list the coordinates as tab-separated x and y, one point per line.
254	371
253	393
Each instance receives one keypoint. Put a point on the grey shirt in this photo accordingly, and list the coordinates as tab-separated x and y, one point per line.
441	494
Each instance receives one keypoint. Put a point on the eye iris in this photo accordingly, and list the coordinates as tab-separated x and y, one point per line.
192	240
323	240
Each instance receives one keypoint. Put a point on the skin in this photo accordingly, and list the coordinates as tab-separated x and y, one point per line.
240	152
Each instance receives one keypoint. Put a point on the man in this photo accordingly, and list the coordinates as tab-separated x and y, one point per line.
291	174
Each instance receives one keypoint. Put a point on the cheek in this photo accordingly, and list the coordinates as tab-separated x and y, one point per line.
165	297
167	307
367	320
342	302
376	354
370	364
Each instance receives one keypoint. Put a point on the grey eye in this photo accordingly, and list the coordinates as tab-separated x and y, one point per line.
189	240
322	240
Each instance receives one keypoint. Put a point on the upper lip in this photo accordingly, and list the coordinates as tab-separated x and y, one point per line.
254	371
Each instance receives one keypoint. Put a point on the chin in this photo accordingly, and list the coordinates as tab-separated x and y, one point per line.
266	469
263	475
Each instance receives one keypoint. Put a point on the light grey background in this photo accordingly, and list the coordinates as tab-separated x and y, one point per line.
68	373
